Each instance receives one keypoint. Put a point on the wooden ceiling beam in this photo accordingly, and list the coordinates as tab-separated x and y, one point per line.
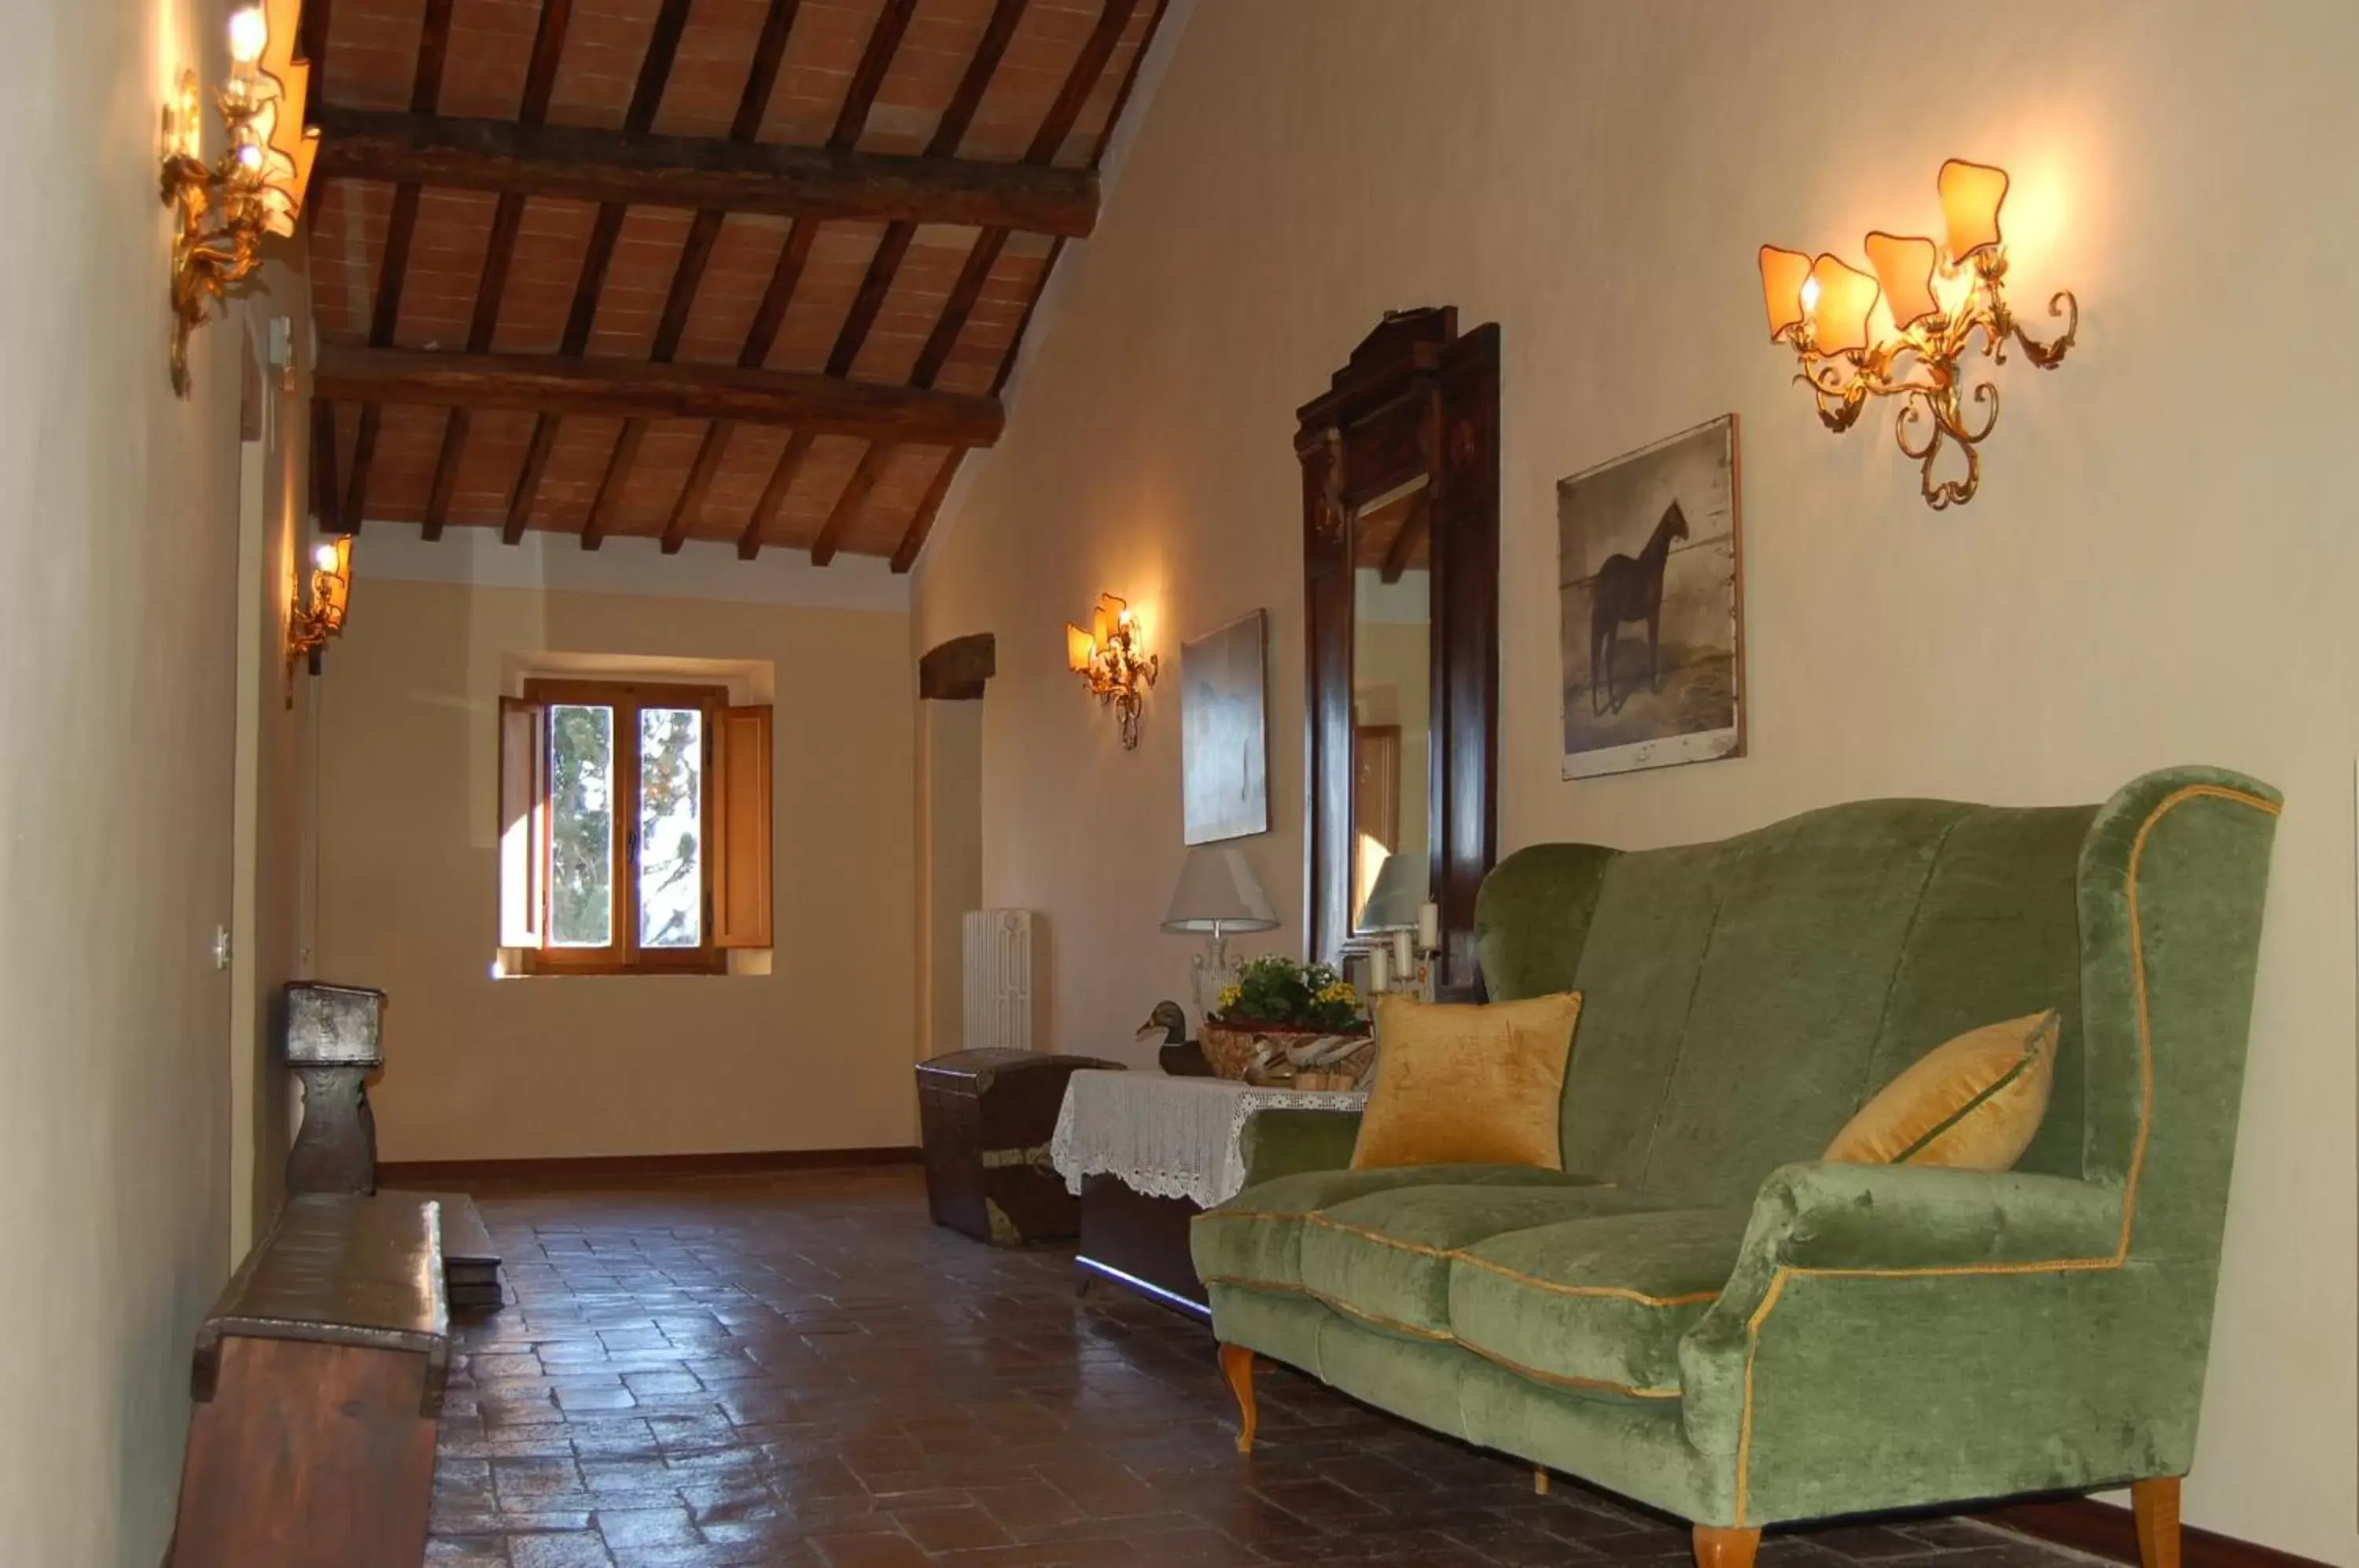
860	95
560	384
587	165
774	493
605	229
949	133
847	504
1080	81
424	93
1058	124
687	276
921	522
508	219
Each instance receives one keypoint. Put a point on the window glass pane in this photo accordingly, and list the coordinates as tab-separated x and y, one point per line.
671	887
581	825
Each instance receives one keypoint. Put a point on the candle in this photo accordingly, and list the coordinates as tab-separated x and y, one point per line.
1379	965
1404	955
1428	927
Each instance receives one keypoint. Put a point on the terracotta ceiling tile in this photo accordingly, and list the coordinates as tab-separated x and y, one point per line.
577	461
372	59
656	480
736	275
488	466
407	440
822	479
551	239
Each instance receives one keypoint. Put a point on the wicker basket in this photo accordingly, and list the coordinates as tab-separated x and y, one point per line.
1231	1050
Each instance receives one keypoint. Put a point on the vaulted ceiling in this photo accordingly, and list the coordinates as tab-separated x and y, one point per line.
742	270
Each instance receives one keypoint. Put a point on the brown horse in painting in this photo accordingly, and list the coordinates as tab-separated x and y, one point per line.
1628	589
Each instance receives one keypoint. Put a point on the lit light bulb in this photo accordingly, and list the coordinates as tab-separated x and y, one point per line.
249	34
1810	297
324	557
1124	620
249	157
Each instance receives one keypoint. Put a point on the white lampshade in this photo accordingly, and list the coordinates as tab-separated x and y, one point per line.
1401	891
1219	894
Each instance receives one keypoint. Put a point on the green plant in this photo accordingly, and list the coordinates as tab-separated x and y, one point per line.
1282	993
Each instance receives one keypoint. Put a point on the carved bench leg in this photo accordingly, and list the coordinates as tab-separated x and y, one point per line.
1719	1548
1237	1367
1540	1480
2156	1505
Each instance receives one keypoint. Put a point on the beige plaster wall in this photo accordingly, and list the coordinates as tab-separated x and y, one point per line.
273	802
118	609
2161	565
814	1055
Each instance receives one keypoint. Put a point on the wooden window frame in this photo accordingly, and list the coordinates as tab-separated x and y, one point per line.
624	956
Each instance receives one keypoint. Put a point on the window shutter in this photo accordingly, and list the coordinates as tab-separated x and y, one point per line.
524	822
741	817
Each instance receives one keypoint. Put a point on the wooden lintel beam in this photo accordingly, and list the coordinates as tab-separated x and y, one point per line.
557	384
586	165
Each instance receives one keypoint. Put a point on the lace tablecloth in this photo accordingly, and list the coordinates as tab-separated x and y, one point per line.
1169	1137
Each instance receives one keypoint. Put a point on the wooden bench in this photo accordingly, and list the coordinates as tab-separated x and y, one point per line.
318	1379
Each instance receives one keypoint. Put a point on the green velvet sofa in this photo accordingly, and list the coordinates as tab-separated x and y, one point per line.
1700	1313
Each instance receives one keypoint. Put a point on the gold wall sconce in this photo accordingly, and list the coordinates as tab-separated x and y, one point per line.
1106	658
311	624
1934	300
255	188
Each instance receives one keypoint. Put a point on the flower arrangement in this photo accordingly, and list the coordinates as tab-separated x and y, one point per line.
1276	992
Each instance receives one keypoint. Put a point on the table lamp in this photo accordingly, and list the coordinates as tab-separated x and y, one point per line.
1218	895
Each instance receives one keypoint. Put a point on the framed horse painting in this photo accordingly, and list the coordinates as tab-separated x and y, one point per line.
1651	572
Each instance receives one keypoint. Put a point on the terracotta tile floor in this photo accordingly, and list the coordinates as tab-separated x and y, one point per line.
801	1370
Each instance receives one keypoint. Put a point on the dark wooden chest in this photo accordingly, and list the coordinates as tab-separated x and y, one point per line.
986	1117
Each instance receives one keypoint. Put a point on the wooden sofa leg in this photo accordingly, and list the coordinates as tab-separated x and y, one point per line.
2156	1505
1718	1548
1237	1367
1540	1480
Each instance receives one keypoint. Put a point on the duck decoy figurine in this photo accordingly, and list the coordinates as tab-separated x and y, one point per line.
1179	1056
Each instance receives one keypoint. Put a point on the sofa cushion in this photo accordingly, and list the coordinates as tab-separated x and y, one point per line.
1464	1082
1973	1104
1595	1303
1385	1258
1255	1238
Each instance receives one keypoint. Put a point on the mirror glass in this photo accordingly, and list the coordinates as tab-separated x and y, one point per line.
1392	690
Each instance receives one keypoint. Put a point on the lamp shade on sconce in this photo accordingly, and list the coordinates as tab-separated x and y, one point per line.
1904	265
1844	296
1783	272
1219	895
1397	900
1110	616
1972	194
1080	648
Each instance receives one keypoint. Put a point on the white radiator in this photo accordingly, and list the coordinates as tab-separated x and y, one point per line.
999	979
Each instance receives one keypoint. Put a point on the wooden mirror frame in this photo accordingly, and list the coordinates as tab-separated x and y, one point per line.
1417	398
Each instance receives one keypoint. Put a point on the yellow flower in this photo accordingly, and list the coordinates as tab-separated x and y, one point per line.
1339	991
1229	995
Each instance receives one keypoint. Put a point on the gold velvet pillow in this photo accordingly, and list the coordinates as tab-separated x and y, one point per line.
1460	1084
1974	1103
